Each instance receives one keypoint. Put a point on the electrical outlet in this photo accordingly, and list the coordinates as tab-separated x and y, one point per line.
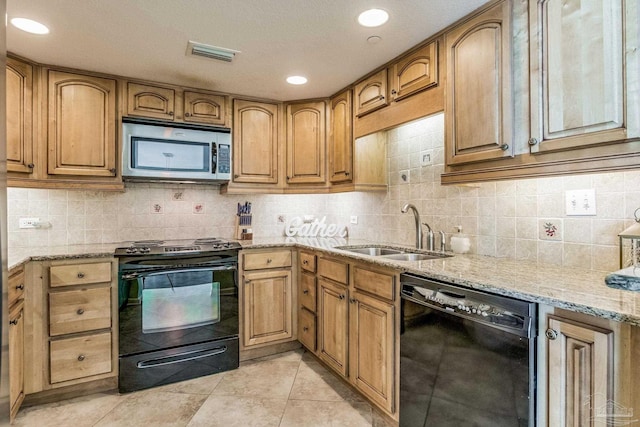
28	222
354	219
580	202
426	158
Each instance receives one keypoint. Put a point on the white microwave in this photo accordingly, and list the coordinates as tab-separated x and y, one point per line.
157	151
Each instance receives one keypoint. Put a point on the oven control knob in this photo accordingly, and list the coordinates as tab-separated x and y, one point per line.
484	314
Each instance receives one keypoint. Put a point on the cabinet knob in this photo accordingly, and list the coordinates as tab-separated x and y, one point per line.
112	170
187	114
346	173
341	297
14	321
352	300
306	291
80	275
20	287
236	176
532	141
80	311
247	281
504	147
305	329
393	91
31	166
81	358
171	113
551	334
269	260
381	97
305	262
288	178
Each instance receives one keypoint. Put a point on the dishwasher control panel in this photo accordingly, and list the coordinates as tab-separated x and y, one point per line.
495	310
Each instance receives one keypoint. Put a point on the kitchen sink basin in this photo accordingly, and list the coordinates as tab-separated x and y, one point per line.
394	254
374	251
415	257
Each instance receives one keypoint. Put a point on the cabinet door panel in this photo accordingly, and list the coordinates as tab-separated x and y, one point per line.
19	116
333	324
306	143
16	359
150	101
372	348
416	72
255	142
267	306
204	108
580	373
578	79
371	94
478	109
81	125
340	139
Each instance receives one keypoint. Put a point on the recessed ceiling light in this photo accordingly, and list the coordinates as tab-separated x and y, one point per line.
296	80
29	25
373	18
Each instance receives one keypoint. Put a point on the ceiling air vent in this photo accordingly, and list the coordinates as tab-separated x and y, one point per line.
211	52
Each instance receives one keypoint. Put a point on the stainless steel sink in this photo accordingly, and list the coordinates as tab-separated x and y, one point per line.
374	251
415	256
394	254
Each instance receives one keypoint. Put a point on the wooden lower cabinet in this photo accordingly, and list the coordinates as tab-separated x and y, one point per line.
267	307
371	348
80	357
16	358
267	298
333	325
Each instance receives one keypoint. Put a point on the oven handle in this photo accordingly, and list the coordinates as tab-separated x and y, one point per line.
177	358
138	274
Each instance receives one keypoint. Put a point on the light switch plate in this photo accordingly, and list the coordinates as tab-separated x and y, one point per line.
28	222
580	202
354	219
426	157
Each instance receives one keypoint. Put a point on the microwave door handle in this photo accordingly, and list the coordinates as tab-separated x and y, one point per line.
214	158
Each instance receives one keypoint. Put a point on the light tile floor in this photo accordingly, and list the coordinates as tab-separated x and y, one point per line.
288	389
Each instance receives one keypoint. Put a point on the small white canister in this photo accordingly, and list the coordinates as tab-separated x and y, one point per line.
460	243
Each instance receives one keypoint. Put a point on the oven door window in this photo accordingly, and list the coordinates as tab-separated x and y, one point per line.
167	155
179	300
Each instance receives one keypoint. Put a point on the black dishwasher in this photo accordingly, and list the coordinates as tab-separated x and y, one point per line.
467	358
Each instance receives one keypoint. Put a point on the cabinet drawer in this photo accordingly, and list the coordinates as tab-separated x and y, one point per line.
334	270
380	284
307	329
275	259
80	357
16	287
308	261
79	274
308	291
79	311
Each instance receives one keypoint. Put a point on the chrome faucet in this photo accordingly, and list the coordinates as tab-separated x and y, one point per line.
416	215
430	237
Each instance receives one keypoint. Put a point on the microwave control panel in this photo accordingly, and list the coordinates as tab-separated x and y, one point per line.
224	158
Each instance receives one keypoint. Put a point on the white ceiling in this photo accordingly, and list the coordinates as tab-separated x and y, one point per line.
147	39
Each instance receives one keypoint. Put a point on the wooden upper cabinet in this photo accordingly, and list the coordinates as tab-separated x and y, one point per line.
341	138
82	124
578	73
371	93
255	142
478	107
19	80
415	72
306	143
151	101
204	108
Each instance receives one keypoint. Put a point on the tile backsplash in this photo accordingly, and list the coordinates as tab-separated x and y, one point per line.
520	219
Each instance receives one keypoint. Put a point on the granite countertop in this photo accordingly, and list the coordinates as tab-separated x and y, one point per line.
573	289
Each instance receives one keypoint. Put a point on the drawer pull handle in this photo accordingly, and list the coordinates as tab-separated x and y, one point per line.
306	291
551	334
269	260
80	311
81	358
80	275
20	287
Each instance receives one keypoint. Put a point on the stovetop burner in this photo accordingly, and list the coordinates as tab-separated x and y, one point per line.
177	247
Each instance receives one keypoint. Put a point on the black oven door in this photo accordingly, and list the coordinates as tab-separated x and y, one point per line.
165	308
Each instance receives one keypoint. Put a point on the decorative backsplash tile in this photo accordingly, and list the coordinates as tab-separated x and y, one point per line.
550	229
